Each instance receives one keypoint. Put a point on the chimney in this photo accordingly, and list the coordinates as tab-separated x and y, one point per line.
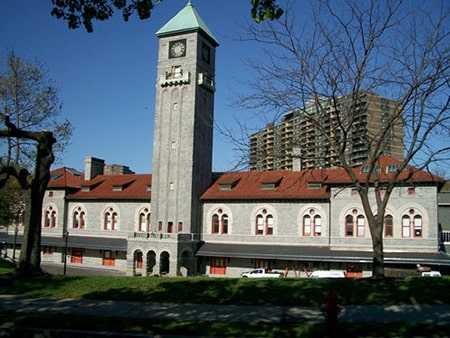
93	167
296	159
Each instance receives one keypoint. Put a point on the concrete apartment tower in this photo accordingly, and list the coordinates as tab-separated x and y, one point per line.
183	128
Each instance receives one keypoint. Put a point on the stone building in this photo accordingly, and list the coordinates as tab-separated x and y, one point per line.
183	219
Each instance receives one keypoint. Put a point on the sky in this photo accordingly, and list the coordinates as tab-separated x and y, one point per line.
107	78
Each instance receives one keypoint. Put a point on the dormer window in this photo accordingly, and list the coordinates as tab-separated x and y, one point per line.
392	168
365	169
268	186
314	185
228	185
271	184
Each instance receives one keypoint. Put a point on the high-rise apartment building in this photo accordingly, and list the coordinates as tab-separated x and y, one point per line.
312	137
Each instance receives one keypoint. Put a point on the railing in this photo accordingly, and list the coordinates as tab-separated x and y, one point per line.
445	237
164	236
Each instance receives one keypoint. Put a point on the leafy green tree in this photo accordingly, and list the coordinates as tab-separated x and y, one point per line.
83	12
28	102
398	49
30	98
11	202
30	254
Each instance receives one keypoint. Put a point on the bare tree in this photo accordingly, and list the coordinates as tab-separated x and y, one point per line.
397	49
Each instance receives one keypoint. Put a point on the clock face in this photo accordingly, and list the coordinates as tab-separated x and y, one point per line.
206	53
177	48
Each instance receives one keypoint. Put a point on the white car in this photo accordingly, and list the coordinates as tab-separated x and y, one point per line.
327	274
431	274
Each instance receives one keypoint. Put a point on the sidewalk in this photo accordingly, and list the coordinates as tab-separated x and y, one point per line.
211	312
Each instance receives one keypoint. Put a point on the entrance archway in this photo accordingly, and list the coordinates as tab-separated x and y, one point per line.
137	263
151	262
187	263
164	264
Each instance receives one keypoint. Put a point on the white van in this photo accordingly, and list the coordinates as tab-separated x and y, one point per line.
327	274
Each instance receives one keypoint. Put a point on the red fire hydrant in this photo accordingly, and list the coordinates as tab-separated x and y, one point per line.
331	310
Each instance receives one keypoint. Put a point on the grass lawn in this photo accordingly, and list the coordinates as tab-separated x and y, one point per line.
203	290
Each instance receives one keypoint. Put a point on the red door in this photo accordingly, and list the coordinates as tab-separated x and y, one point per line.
109	258
218	266
77	256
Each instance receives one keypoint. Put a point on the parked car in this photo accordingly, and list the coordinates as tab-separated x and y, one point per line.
431	274
261	273
327	274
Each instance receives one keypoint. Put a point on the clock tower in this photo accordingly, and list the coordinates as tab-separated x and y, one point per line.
183	127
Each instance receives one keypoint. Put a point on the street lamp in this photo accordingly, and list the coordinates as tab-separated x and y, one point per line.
66	236
16	230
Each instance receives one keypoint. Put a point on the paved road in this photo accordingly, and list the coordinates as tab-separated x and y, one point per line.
269	314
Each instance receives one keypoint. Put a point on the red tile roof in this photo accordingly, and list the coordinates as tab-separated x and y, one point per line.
64	178
286	184
130	186
300	185
281	185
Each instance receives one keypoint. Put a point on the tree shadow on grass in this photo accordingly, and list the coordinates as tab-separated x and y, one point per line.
43	285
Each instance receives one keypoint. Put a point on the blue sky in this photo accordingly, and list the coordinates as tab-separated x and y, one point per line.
107	78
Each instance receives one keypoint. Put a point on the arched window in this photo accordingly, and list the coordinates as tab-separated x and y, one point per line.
50	218
312	224
306	225
215	224
219	222
79	219
259	225
388	226
349	226
417	226
361	226
144	220
406	226
264	223
111	220
224	223
355	224
269	225
317	225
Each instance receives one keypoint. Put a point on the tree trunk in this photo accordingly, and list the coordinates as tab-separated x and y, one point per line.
378	251
30	253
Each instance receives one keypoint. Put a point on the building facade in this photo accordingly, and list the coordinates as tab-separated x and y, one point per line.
297	143
184	220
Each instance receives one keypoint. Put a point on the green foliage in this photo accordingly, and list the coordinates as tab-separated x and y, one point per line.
29	100
12	203
6	267
83	12
263	10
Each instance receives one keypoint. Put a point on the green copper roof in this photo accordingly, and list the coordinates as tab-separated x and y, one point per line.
186	20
